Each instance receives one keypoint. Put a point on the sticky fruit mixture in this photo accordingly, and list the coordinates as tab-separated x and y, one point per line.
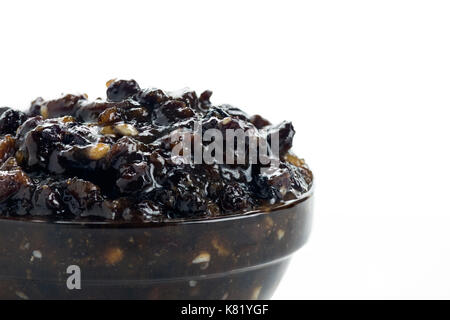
75	159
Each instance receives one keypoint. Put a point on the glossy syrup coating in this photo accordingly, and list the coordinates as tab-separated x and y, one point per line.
72	159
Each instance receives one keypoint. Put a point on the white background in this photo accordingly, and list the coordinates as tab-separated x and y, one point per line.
366	84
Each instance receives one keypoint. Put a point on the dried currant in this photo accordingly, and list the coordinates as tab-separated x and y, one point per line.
121	89
171	112
10	120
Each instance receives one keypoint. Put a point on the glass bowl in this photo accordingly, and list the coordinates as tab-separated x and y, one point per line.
232	257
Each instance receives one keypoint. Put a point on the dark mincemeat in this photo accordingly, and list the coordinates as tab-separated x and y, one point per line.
71	158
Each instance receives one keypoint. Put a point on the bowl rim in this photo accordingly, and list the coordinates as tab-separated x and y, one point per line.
161	223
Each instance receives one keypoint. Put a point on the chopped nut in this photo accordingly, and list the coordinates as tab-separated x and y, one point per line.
19	156
192	283
98	151
256	292
68	119
37	254
269	222
203	257
107	130
25	246
109	116
294	160
268	225
126	129
44	112
22	295
220	248
114	256
109	82
226	121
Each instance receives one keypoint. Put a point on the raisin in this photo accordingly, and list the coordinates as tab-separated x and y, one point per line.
47	200
10	120
216	112
235	197
301	177
235	112
109	116
171	112
83	198
187	193
46	143
259	122
90	111
151	97
7	148
187	96
124	151
12	180
285	132
134	177
66	105
121	89
148	210
35	107
273	183
204	100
